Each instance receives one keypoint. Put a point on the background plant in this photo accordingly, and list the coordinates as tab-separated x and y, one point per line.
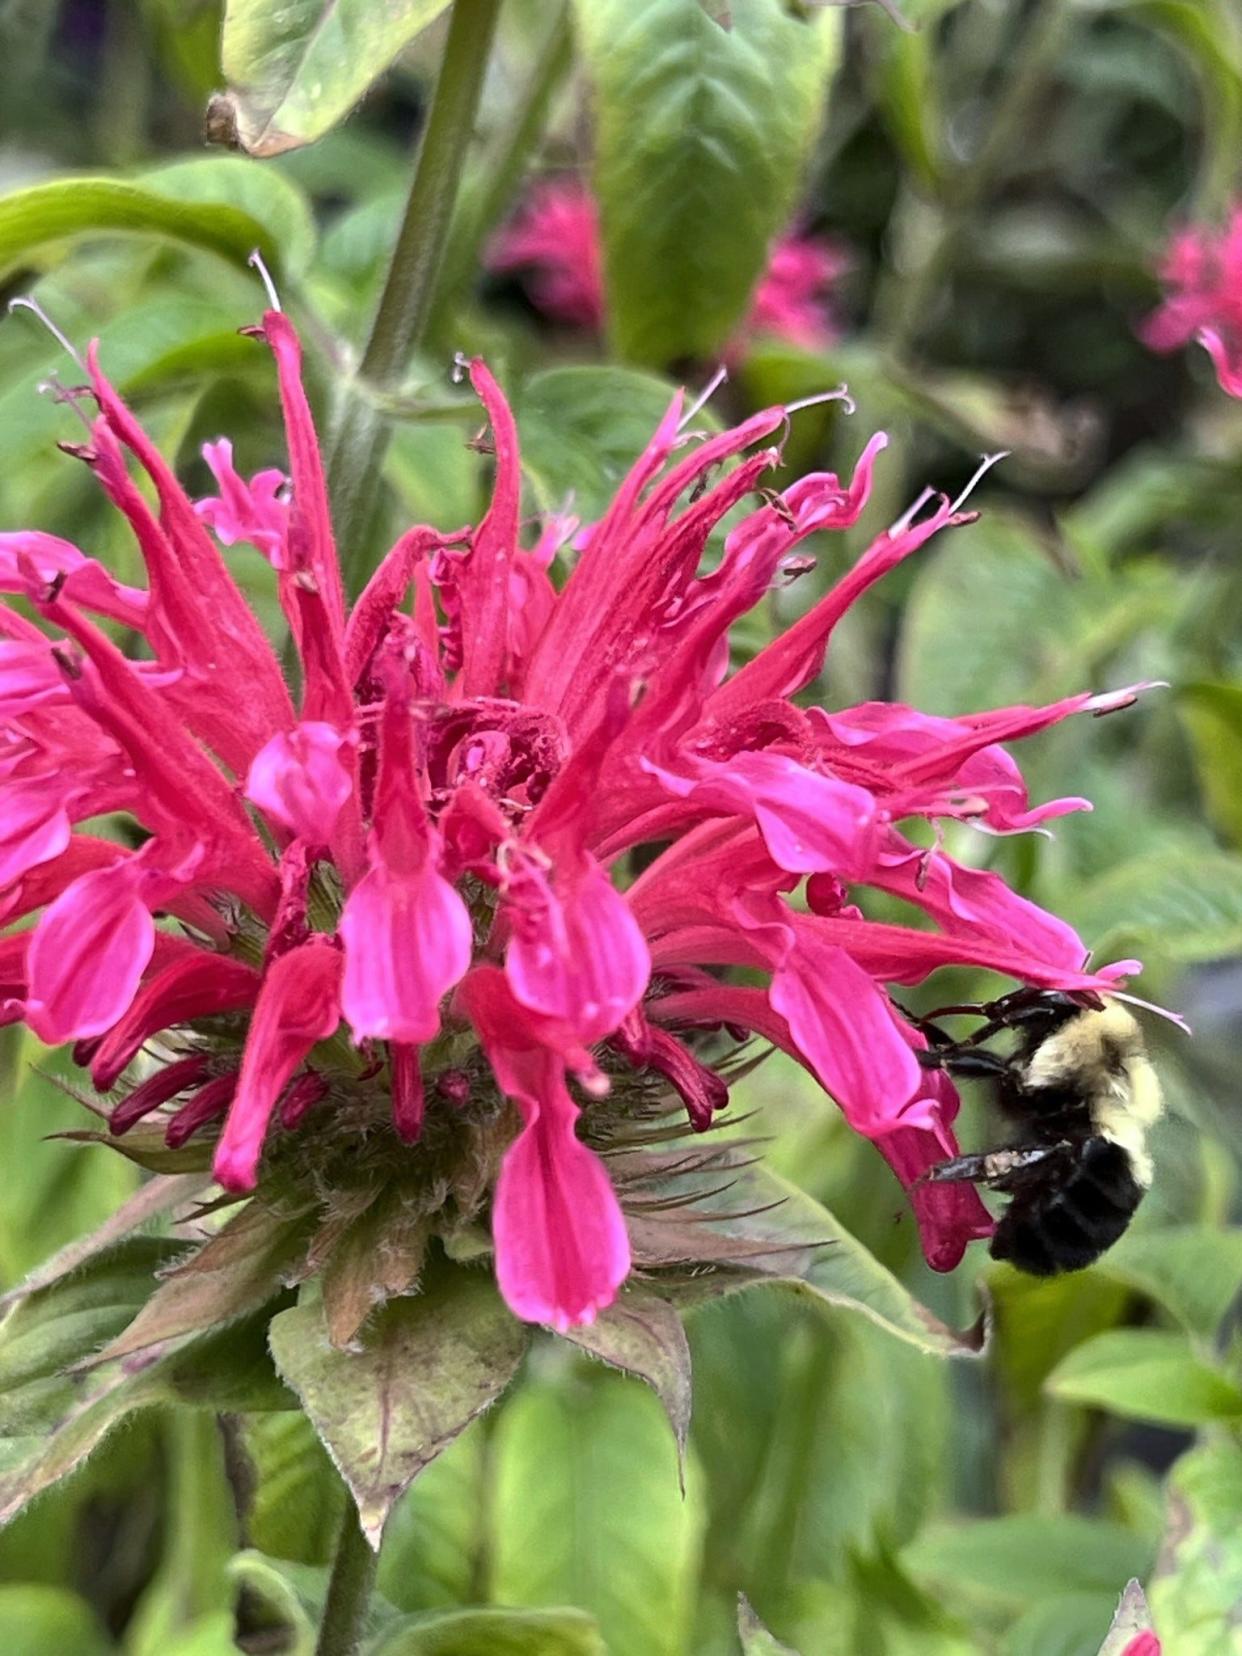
1004	176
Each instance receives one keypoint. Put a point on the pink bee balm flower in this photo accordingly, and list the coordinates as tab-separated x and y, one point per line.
555	238
1202	272
410	885
1143	1644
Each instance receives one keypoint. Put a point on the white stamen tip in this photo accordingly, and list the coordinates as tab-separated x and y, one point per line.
24	302
986	462
256	262
461	366
704	397
911	512
841	395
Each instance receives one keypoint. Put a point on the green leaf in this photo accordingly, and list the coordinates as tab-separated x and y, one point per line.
1197	1587
1193	1271
756	1640
38	218
290	1596
492	1633
756	1227
39	1621
295	69
1212	715
1132	1617
583	428
298	1502
1038	1320
51	1421
151	1201
270	197
701	135
61	1194
1178	904
141	349
993	568
587	1511
189	1601
1068	1625
1025	1558
57	1326
1144	1374
427	1365
435	1540
234	1273
642	1335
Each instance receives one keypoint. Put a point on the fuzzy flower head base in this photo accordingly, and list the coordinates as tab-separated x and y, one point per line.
407	893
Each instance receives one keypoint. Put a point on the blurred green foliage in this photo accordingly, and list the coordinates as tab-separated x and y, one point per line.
1004	175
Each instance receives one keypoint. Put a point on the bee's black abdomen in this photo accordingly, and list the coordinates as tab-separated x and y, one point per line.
1065	1223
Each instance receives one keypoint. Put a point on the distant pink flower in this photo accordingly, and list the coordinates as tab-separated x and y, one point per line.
1202	271
555	238
419	857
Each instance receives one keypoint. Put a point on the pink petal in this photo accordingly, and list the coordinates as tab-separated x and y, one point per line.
1143	1644
791	301
810	823
298	780
483	580
198	616
577	953
34	827
88	954
843	1026
86	582
978	904
556	236
253	512
1228	363
309	538
157	1089
561	1245
298	1005
791	661
197	984
407	941
406	1080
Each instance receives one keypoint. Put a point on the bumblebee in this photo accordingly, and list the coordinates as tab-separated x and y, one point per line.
1081	1089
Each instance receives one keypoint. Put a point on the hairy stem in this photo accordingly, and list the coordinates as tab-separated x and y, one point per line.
906	304
360	431
349	1591
481	209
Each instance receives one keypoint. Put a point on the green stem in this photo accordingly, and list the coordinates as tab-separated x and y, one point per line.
360	432
906	305
481	208
349	1591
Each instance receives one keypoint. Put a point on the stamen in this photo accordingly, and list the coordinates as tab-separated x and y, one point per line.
51	387
911	512
255	261
705	396
25	302
985	465
461	365
841	395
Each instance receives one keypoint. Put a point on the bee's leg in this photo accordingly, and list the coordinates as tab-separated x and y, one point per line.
965	1061
998	1169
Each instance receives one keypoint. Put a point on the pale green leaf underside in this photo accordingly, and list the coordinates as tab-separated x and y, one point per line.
295	69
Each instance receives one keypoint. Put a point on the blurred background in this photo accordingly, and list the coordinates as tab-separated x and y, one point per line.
989	195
